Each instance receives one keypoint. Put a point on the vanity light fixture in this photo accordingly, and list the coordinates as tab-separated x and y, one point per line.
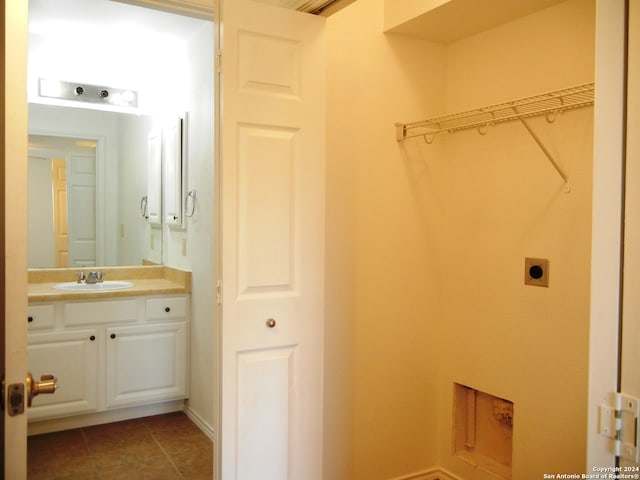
82	92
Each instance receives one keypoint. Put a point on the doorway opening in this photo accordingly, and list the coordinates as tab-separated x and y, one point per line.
168	59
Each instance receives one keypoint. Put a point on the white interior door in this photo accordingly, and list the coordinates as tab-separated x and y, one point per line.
13	142
81	218
272	223
172	173
153	204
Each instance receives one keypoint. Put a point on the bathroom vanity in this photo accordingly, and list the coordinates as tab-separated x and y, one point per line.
116	354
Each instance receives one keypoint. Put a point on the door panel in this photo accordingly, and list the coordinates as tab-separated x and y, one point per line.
267	162
272	221
73	358
146	363
81	192
154	179
172	173
265	411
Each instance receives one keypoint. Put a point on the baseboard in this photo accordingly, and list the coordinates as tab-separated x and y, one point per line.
434	473
200	423
108	416
118	415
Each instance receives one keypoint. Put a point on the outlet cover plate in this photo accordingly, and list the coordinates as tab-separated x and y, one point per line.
536	272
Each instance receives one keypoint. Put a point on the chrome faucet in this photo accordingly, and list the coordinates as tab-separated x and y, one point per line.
90	277
94	277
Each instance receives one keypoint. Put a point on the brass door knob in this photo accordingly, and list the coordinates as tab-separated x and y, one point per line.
270	322
48	384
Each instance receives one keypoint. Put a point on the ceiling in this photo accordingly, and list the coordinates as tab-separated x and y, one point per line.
457	19
104	18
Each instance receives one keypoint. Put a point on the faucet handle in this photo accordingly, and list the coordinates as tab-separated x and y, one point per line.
81	277
99	276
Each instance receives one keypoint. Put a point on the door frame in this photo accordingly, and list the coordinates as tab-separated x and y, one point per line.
607	223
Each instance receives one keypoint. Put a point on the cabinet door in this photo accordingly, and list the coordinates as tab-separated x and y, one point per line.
73	358
154	180
172	173
146	363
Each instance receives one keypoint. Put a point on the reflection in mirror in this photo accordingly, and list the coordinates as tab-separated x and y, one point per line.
87	175
125	48
62	233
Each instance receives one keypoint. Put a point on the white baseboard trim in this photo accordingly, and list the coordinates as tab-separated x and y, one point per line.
98	418
200	423
434	473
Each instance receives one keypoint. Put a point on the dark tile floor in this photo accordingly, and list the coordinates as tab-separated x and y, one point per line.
162	447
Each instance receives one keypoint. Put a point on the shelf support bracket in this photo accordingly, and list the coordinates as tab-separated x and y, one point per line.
545	151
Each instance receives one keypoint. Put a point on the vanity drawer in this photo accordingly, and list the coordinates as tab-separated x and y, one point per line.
166	308
41	317
91	313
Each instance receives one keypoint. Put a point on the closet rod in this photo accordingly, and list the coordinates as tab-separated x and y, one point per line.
549	104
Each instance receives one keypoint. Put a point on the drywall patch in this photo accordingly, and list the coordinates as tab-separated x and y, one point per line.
483	430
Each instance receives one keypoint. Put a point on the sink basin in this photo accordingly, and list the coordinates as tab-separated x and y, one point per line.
104	286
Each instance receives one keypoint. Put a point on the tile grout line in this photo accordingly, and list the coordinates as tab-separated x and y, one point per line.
93	461
93	464
166	455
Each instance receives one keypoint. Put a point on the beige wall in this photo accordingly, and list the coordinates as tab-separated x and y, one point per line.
383	295
504	202
426	245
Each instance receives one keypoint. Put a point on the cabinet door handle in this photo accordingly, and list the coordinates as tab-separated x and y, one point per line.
92	338
167	309
113	335
29	319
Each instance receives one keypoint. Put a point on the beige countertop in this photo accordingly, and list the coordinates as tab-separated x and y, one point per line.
147	280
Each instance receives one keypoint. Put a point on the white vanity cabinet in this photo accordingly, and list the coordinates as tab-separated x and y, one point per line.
109	354
149	362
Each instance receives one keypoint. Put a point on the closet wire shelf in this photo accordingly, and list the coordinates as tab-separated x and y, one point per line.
549	104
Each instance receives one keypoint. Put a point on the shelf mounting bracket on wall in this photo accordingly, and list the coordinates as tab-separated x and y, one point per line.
547	153
548	104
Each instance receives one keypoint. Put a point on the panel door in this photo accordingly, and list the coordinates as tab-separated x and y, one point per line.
272	222
81	195
13	240
172	173
73	358
152	205
146	363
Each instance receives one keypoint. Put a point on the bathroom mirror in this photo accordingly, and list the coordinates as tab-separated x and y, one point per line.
87	178
120	48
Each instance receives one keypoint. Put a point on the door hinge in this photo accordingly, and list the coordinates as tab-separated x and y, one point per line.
219	292
619	422
219	61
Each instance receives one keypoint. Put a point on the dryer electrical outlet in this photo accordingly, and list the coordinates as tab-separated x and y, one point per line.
536	272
